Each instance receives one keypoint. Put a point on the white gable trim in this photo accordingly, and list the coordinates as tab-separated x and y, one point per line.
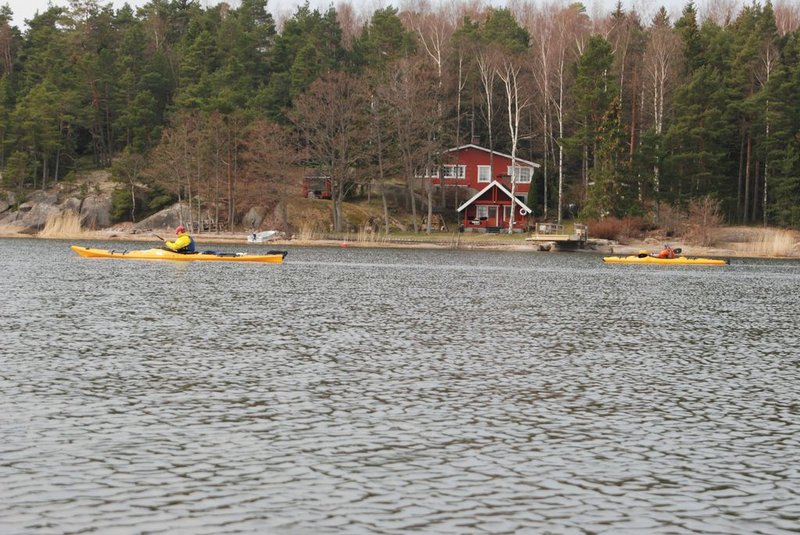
503	189
519	161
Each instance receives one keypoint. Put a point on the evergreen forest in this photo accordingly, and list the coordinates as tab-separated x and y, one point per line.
627	113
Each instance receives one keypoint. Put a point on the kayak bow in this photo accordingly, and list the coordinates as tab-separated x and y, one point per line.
678	260
270	257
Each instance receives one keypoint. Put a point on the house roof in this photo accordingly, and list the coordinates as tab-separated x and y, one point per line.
503	189
484	149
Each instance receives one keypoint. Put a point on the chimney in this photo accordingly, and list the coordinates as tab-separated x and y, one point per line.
476	140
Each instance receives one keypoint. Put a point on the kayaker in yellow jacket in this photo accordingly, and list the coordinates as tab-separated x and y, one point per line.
183	243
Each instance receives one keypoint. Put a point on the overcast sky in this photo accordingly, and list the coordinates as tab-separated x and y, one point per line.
26	9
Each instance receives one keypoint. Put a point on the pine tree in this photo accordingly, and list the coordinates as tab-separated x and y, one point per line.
594	91
689	32
307	30
610	192
694	142
783	149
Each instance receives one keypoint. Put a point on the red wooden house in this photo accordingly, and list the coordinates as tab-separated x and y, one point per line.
489	174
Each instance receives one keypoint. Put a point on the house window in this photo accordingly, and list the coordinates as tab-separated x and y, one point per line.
484	173
481	211
426	173
454	171
521	174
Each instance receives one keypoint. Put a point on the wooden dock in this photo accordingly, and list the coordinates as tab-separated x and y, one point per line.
555	233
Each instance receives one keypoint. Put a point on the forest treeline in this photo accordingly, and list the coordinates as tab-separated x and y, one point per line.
220	105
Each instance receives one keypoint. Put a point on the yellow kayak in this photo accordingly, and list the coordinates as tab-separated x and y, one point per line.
270	257
678	260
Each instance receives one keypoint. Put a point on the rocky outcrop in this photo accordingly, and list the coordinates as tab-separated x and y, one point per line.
7	200
95	211
169	218
253	218
32	215
41	207
65	201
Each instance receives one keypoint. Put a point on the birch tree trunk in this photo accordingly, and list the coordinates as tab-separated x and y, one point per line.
487	75
516	104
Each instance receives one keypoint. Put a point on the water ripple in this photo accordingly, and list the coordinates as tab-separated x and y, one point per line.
369	391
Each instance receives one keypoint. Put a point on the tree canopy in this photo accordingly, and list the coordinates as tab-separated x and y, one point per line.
626	116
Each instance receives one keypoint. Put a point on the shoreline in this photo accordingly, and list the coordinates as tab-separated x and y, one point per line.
480	242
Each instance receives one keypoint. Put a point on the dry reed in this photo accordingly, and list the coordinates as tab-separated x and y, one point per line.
768	242
309	230
306	232
63	225
369	236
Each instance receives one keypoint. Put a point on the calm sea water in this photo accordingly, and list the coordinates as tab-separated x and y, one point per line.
396	391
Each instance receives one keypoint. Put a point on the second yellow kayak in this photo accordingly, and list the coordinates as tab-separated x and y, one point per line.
678	260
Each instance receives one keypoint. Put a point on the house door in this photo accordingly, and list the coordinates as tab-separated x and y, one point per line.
493	216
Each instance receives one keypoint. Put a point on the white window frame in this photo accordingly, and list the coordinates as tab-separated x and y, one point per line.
522	174
427	173
487	170
454	172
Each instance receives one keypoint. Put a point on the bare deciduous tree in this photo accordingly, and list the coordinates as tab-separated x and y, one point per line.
767	61
435	32
569	28
721	12
127	169
518	98
6	48
270	158
350	22
410	94
332	117
235	126
543	58
488	60
661	67
703	220
174	161
787	16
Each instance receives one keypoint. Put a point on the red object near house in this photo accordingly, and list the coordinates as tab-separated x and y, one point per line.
317	187
472	166
491	210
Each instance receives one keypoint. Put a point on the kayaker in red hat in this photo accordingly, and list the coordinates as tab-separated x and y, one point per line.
183	243
667	252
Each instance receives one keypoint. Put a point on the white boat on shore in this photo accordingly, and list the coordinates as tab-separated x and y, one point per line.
264	236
